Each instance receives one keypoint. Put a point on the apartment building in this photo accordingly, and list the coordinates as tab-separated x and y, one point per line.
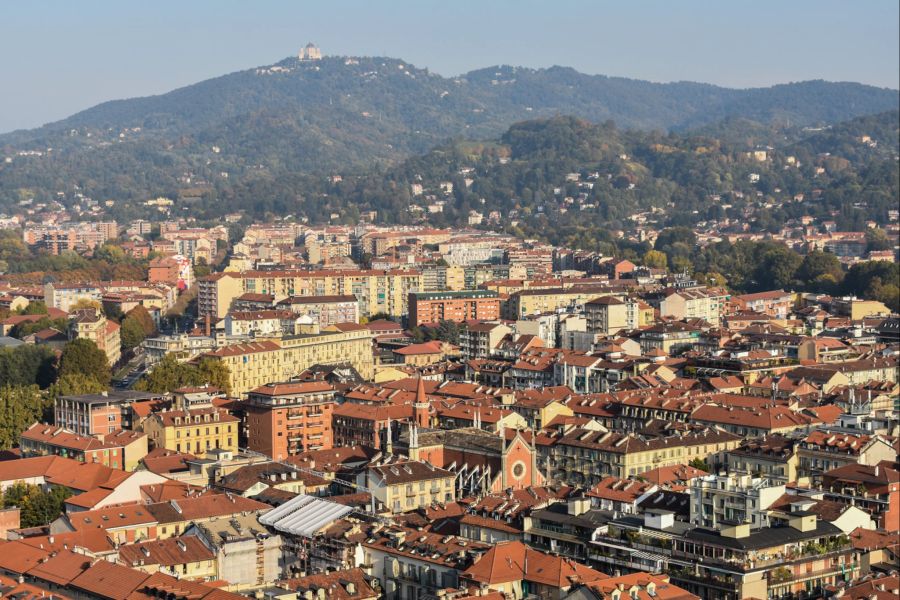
822	451
479	340
433	307
64	296
195	244
407	485
545	300
718	500
193	430
437	278
98	414
254	364
120	449
375	291
90	324
262	323
69	237
799	559
668	338
324	310
638	313
285	419
775	303
606	315
706	304
176	271
773	457
584	457
377	243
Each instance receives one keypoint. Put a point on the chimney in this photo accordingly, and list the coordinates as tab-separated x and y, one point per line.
207	325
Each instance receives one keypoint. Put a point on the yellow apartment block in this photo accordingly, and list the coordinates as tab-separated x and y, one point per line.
376	291
194	430
254	364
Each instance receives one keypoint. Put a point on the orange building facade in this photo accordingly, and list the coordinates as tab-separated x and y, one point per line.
285	419
434	307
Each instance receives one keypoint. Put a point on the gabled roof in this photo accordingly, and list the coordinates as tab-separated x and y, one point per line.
17	557
432	347
620	490
203	507
672	474
107	580
96	541
408	471
639	582
161	461
293	387
61	568
336	583
167	553
514	561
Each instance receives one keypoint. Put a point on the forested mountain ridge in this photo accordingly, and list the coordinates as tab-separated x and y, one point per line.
683	178
341	113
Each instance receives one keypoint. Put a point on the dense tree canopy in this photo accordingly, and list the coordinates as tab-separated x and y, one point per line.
82	357
21	406
170	374
37	507
27	365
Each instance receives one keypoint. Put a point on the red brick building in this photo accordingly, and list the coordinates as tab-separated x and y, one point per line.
285	419
433	307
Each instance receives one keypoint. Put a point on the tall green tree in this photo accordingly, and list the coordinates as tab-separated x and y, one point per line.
169	374
21	407
142	316
27	365
655	259
776	269
131	333
820	271
74	384
38	508
35	307
82	356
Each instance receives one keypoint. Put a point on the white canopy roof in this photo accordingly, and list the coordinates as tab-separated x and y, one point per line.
304	515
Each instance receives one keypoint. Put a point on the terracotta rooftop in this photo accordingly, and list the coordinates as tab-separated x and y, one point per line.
510	562
167	553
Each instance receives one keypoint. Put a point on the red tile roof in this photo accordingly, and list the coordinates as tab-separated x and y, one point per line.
620	490
300	387
168	552
61	568
108	580
514	561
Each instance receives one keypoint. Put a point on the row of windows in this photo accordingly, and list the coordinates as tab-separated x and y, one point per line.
187	432
208	446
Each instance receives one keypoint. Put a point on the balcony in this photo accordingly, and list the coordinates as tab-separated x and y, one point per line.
718	581
753	563
784	575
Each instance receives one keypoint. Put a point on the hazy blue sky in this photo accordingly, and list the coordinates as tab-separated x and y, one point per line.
58	57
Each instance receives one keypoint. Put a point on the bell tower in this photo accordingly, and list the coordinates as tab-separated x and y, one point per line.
421	414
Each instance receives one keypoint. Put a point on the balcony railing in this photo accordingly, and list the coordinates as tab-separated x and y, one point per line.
748	564
777	576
